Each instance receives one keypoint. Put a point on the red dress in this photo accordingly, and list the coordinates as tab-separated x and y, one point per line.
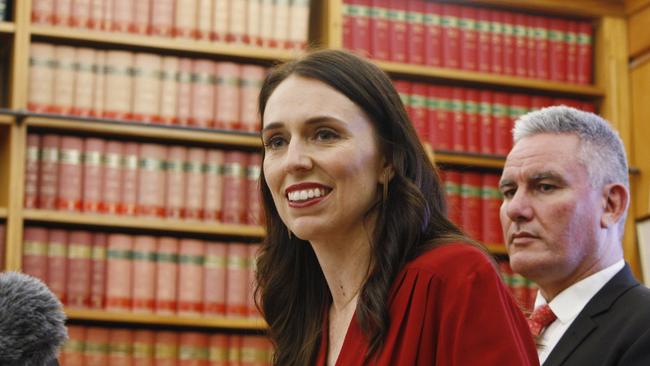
447	307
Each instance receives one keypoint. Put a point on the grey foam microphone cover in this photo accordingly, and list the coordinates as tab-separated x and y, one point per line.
32	322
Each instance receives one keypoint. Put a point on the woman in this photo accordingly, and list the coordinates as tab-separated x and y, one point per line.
360	264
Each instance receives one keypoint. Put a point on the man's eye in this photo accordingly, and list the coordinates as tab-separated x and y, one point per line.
545	188
274	142
508	193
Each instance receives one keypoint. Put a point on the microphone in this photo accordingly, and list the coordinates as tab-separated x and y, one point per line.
32	322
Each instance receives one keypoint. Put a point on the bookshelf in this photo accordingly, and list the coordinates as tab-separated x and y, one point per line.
609	91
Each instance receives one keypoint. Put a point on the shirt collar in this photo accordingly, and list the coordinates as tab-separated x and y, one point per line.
568	303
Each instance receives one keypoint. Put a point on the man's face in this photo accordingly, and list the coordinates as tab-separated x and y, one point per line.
550	213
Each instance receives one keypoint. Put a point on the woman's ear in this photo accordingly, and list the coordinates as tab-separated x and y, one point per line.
387	174
616	199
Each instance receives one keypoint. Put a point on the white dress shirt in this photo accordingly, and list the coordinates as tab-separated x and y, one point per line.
568	304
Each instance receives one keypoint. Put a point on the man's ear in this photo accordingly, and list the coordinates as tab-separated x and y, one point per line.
616	198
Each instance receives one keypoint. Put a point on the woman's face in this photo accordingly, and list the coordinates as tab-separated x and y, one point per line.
322	161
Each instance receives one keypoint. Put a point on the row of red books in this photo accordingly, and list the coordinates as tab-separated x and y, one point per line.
99	346
144	179
470	120
473	202
522	289
268	23
143	87
143	273
465	37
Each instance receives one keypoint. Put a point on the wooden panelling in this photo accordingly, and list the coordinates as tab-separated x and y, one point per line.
639	31
632	6
640	80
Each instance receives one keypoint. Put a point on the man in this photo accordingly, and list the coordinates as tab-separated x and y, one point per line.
566	193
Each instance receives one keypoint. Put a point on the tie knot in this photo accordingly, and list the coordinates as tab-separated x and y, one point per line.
541	317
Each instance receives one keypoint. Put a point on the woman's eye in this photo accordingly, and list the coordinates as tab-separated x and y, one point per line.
274	142
325	134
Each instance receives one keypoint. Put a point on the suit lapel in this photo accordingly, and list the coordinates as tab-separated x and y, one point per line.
587	321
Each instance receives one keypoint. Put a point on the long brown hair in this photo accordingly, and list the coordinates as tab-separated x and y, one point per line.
411	217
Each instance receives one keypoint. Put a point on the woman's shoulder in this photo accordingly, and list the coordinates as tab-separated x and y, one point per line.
459	256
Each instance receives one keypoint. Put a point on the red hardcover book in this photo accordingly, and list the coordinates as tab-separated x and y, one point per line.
443	131
146	87
254	209
63	80
531	49
418	110
588	107
118	84
214	279
168	90
143	347
502	125
185	19
203	19
40	88
79	268
96	14
452	193
484	59
162	18
42	12
254	350
112	178
120	351
519	105
397	30
84	82
415	32
252	77
378	30
433	34
62	12
227	103
93	173
99	84
237	280
119	272
572	52
356	23
98	271
450	35
195	188
57	251
220	13
281	23
212	207
190	276
35	258
557	49
298	24
48	179
166	276
470	204
141	16
151	180
509	43
521	45
144	273
218	350
203	93
459	123
96	346
237	22
254	23
234	348
490	205
80	13
234	187
468	38
176	179
31	170
541	25
193	349
73	349
539	102
123	12
585	52
472	121
184	90
166	348
496	41
267	9
107	19
69	191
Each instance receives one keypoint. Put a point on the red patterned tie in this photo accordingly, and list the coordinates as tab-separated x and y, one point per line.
540	319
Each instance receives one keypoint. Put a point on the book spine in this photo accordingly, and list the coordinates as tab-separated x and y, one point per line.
119	272
190	276
195	188
227	103
298	24
557	49
144	273
450	35
99	72
143	347
254	209
35	253
415	32
234	187
571	39
252	78
62	12
120	351
254	23
220	13
57	251
496	41
472	121
93	174
166	348
204	81
48	171
185	19
96	346
162	18
123	12
397	33
585	53
470	204
166	276
118	85
419	110
40	87
193	349
42	12
237	280
176	179
237	21
79	268
491	202
452	193
84	82
509	44
31	170
146	87
468	38
214	278
542	47
112	180
151	180
69	190
484	60
280	23
459	123
168	90
501	124
63	96
432	34
521	45
98	271
212	209
141	16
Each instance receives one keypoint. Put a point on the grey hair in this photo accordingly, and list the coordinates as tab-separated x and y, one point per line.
601	149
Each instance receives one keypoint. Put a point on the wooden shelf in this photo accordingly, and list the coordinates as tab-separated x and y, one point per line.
6	119
130	222
7	27
496	248
478	78
468	160
164	43
140	130
214	322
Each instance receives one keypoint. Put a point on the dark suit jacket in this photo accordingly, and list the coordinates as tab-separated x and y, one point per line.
612	329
